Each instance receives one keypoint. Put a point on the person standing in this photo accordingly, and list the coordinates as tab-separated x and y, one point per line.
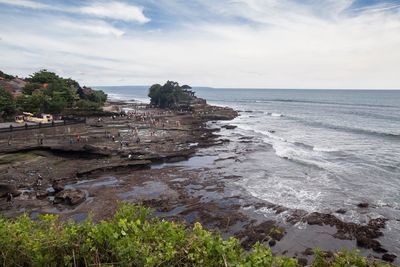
10	199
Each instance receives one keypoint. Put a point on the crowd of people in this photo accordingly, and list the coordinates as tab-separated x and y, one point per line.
155	120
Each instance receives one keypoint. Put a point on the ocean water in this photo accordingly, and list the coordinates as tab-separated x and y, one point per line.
315	150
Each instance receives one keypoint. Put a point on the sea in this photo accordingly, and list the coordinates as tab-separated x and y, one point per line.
313	150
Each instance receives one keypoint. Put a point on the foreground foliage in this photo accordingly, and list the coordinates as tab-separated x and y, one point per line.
131	238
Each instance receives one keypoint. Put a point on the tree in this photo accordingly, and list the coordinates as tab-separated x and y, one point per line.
35	103
87	93
7	104
29	88
170	95
6	76
88	105
61	89
55	104
49	93
154	94
43	76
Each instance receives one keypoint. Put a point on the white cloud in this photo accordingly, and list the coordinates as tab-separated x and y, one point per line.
111	9
26	4
285	45
96	27
115	10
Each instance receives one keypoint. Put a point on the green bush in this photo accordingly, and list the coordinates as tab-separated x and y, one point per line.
131	238
47	92
7	104
344	258
88	105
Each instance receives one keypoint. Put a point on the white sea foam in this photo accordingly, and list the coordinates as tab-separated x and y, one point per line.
325	149
290	194
296	151
273	114
123	97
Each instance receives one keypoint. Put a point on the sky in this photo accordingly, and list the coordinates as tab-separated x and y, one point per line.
313	44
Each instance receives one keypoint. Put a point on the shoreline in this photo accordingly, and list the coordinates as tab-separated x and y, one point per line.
102	176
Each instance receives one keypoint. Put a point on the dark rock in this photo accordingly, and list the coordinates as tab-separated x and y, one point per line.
389	257
308	252
58	200
366	242
50	191
379	249
329	254
176	159
70	197
364	234
363	205
296	216
377	223
57	186
131	165
341	211
343	235
302	261
229	127
277	233
316	218
279	209
253	233
272	243
8	188
41	194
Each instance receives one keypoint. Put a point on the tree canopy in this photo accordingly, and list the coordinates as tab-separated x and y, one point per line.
169	95
43	76
7	104
46	92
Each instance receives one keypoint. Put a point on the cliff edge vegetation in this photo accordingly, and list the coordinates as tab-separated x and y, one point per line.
45	92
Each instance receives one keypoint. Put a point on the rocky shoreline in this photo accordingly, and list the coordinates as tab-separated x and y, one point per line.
90	171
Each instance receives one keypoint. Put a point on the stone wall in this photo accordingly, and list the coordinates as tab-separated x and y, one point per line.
72	129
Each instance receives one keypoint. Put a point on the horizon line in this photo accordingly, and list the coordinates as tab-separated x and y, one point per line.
263	88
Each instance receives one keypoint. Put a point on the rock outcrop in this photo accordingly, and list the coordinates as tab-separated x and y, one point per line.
70	197
8	188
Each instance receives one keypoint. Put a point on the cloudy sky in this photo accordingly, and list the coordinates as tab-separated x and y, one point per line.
219	43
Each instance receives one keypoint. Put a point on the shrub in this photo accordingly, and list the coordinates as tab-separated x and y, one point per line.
132	238
7	104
